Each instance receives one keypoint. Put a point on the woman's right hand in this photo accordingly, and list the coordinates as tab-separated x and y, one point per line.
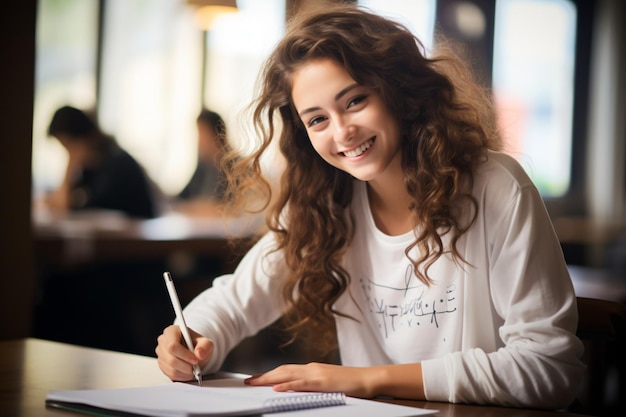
175	360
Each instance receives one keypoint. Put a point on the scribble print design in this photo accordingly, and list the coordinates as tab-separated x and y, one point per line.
417	306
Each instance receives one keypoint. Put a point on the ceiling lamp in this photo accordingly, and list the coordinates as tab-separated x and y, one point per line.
209	10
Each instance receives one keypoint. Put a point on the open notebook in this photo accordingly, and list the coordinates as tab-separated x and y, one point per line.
221	397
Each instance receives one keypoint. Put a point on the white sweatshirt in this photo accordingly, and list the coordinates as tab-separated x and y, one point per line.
496	330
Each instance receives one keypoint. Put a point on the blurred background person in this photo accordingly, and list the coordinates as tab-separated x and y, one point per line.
205	193
99	173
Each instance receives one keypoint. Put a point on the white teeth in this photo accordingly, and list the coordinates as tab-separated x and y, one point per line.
359	150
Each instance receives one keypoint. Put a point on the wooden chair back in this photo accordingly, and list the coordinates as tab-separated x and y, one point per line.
602	329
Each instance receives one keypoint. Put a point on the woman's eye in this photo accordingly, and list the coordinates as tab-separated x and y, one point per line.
356	100
316	120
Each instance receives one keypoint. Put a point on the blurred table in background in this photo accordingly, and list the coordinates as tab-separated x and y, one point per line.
100	273
596	255
71	240
598	283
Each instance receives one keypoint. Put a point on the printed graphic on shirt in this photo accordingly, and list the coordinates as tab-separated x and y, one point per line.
409	307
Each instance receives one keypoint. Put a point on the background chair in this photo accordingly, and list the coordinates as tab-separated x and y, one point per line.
602	329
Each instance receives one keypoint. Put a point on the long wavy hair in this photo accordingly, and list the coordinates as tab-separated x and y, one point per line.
447	124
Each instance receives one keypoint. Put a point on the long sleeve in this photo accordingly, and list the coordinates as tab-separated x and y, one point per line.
532	308
240	304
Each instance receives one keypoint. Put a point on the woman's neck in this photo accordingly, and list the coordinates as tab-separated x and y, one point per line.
389	202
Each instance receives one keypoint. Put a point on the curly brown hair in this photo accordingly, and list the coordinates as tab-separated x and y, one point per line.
447	124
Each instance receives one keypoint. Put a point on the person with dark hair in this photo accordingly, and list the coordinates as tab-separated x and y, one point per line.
400	232
99	173
205	193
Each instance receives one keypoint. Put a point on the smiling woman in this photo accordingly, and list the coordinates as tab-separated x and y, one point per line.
399	230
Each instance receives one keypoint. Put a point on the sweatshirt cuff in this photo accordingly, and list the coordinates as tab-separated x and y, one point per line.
434	377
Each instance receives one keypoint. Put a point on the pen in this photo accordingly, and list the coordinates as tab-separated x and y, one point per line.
183	327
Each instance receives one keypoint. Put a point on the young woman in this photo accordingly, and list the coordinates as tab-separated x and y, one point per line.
398	227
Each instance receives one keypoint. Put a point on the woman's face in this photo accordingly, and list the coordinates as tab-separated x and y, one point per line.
348	124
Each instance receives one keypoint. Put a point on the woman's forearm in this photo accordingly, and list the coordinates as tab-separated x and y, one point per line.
398	381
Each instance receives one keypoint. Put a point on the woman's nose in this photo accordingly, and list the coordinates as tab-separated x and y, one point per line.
344	131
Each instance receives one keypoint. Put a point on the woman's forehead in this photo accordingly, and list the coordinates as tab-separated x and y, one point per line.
319	78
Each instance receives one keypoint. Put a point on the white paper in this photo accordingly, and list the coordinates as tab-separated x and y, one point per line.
226	397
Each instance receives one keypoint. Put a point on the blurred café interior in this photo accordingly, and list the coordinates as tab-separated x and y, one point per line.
557	69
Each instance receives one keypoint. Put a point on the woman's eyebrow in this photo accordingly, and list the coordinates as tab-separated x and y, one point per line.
338	96
345	91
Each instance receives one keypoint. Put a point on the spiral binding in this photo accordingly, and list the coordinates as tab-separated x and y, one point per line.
304	401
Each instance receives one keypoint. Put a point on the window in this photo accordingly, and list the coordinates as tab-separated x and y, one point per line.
158	67
417	15
65	73
533	82
150	85
150	77
237	47
527	51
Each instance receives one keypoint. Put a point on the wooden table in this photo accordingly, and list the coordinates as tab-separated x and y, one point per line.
31	367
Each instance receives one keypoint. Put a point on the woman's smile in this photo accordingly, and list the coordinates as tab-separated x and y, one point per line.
359	150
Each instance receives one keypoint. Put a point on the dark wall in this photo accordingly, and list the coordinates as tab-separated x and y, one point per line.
17	63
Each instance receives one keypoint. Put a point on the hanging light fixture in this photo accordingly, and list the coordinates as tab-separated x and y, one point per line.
209	10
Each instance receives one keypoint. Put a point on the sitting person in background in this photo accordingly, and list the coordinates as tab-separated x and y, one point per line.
205	192
99	174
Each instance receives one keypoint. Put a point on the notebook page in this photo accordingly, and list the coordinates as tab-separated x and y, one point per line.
229	397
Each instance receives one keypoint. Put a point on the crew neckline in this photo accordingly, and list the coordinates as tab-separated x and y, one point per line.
404	239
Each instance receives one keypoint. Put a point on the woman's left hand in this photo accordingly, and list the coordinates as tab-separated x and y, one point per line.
354	382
